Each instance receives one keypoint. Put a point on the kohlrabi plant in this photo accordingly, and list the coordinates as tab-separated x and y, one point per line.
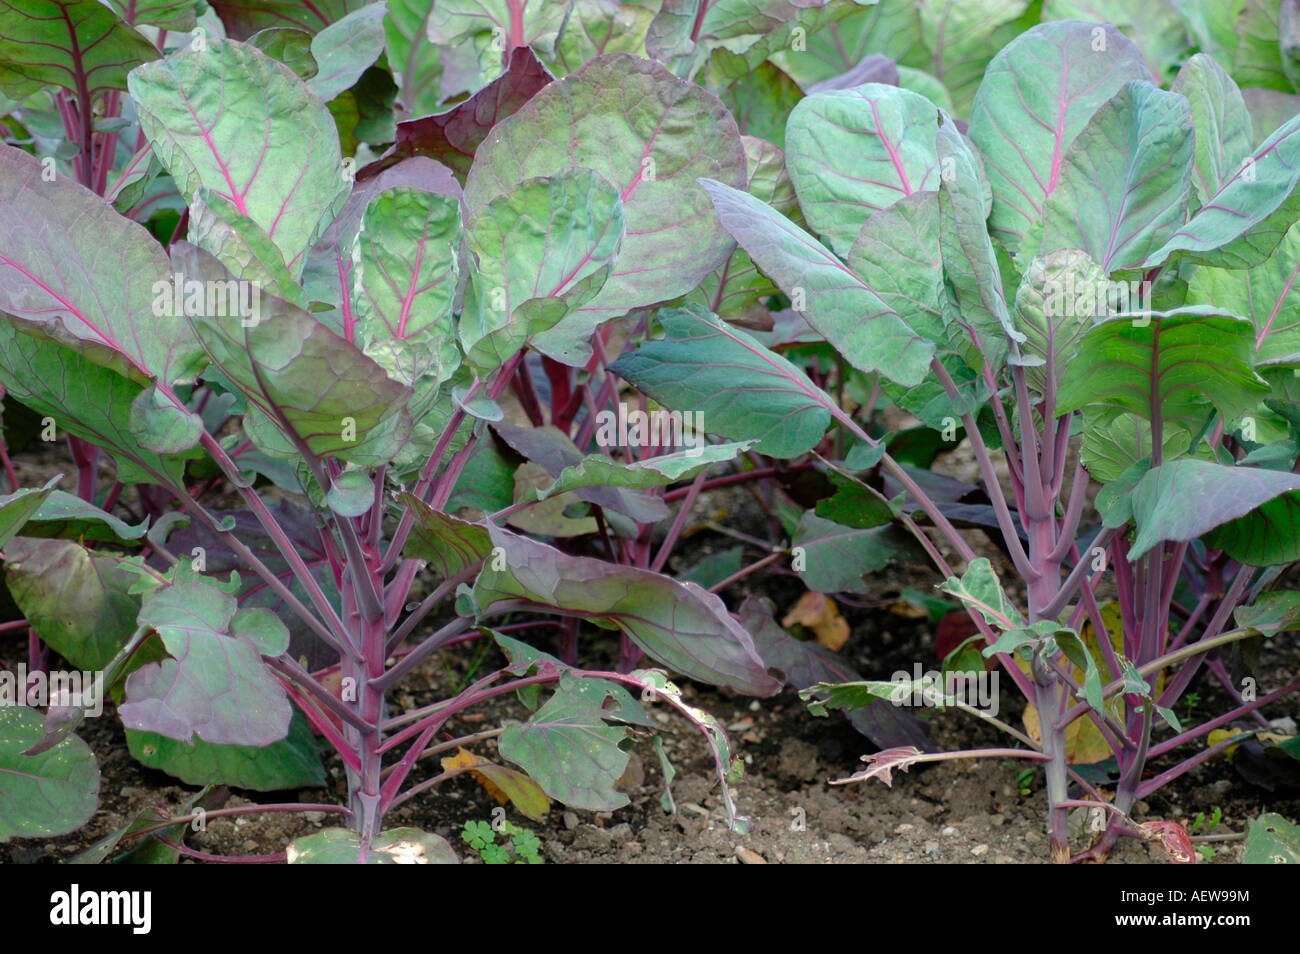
302	377
1094	281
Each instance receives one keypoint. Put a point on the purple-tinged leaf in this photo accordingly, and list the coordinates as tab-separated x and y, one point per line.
835	558
1036	97
88	400
328	276
970	262
243	18
453	137
1060	297
742	390
679	624
76	44
215	684
1240	225
1124	181
21	506
872	68
1224	131
66	515
851	152
397	846
48	794
738	290
317	389
1185	499
555	452
651	135
839	304
266	144
74	270
595	27
1269	109
168	14
1156	27
242	245
961	37
881	765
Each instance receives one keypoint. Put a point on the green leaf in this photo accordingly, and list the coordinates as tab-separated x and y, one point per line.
679	624
74	270
73	44
835	557
169	14
649	134
279	363
1242	35
1268	294
262	628
1112	443
1224	132
415	62
600	471
79	601
979	588
48	794
1180	363
854	151
1272	840
450	545
1241	224
293	762
1060	296
835	301
397	846
474	33
761	101
962	36
542	249
267	144
160	426
742	390
569	749
405	284
351	493
345	49
1036	96
1271	613
21	506
1123	185
215	685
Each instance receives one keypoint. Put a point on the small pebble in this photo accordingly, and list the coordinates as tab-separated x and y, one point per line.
980	850
749	857
570	820
904	828
948	830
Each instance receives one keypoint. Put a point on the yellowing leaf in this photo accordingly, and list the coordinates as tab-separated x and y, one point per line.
503	784
818	612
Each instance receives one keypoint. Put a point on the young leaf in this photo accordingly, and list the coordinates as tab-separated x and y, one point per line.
1123	184
836	301
450	545
651	135
313	386
1224	132
742	390
836	558
597	470
405	284
542	249
345	49
980	589
679	624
